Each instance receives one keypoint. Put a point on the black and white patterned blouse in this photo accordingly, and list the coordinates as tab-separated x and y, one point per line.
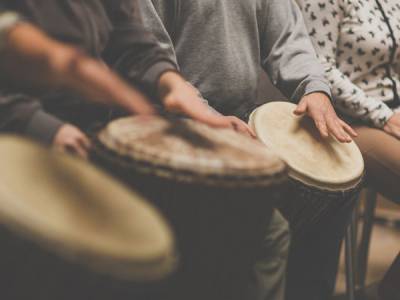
358	43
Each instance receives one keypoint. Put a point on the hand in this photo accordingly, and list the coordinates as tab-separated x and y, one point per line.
180	97
318	106
239	126
70	139
392	126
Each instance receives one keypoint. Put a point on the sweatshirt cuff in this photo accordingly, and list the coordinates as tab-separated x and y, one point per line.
43	127
318	87
153	74
314	86
382	116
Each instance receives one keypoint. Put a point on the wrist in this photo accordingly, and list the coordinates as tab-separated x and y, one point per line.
323	95
168	82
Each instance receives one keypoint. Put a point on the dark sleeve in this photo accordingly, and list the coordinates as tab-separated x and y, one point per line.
132	50
22	114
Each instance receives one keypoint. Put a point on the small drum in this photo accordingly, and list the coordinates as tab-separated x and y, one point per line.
321	170
216	187
70	232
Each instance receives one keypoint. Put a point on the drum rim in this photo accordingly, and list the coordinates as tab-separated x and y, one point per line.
148	164
145	167
75	250
309	179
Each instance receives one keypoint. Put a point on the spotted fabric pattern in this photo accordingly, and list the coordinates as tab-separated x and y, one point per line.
358	43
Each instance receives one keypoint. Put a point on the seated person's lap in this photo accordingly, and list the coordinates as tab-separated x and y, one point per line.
381	153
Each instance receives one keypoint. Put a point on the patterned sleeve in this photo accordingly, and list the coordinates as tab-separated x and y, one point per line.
323	19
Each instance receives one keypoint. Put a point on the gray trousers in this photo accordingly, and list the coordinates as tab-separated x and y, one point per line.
268	276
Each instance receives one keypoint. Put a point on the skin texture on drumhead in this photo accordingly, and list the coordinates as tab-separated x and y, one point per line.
190	148
77	211
312	159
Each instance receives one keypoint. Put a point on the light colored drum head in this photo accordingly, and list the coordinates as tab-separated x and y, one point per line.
324	163
71	208
187	150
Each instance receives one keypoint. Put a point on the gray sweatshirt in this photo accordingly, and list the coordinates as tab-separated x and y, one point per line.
221	44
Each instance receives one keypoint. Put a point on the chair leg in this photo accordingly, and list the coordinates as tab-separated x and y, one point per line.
368	224
350	245
354	234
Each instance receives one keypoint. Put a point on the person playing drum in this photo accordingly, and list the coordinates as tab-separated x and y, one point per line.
220	46
364	70
59	118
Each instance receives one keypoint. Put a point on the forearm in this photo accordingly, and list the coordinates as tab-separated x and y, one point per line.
353	101
32	59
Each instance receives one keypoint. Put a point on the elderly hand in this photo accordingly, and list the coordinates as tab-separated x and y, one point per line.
392	126
318	107
70	139
180	97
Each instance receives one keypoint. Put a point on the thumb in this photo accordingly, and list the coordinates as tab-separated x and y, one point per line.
301	109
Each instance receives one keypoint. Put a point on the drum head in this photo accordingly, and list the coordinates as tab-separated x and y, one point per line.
189	151
73	209
324	163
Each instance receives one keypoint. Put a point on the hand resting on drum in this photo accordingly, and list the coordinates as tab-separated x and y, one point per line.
318	107
70	139
392	127
32	59
179	97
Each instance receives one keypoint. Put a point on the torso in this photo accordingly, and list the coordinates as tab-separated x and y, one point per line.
218	50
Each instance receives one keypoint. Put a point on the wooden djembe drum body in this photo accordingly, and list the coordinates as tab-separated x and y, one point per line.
323	172
216	187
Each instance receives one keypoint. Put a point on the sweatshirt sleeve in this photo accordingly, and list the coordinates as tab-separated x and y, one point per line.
158	19
287	53
348	97
22	114
132	50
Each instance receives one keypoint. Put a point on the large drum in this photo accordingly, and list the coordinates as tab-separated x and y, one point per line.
70	232
216	187
321	170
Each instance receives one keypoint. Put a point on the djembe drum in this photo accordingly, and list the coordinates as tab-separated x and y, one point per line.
70	232
216	187
321	171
